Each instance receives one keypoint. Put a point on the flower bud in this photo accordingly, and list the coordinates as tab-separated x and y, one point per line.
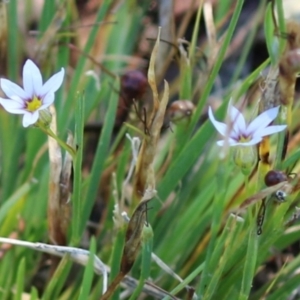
45	118
245	158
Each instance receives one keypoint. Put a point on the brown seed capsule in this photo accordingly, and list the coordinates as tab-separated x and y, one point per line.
133	85
274	177
180	109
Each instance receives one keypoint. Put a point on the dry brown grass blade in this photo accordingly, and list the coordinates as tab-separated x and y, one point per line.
55	158
166	21
262	194
59	188
210	25
270	96
133	241
65	186
144	175
3	30
134	235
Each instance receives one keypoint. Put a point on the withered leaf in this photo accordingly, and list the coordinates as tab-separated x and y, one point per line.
133	237
144	175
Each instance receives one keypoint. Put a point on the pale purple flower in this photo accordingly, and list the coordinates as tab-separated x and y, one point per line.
239	133
35	96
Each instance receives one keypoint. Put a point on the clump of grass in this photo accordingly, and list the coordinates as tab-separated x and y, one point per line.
135	190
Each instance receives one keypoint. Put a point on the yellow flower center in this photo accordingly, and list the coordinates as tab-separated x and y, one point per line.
34	104
243	139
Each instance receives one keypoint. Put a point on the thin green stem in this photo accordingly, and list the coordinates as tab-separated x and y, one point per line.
247	188
64	145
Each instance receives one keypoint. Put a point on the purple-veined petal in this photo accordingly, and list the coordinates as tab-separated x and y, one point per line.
32	78
234	135
263	120
269	130
221	127
12	106
47	101
30	118
13	91
237	119
53	83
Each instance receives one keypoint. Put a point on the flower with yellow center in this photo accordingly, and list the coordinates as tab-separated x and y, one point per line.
35	96
239	133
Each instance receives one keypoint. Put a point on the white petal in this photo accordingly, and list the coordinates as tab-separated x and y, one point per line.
235	135
12	106
231	142
263	120
221	127
270	130
32	78
53	83
13	91
30	118
237	119
220	143
47	101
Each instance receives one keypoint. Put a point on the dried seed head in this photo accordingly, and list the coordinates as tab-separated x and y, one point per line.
180	109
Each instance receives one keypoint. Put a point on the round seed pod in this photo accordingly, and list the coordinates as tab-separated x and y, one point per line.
180	109
133	85
274	177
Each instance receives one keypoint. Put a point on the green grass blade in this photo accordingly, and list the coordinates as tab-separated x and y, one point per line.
271	40
20	280
100	157
77	199
88	273
147	244
116	257
249	267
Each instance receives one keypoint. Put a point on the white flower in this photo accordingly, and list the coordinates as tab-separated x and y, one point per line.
241	134
35	96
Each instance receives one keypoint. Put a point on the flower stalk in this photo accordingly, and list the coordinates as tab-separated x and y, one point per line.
64	145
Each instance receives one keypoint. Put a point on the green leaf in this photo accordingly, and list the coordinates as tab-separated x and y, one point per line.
20	280
88	273
77	198
99	160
